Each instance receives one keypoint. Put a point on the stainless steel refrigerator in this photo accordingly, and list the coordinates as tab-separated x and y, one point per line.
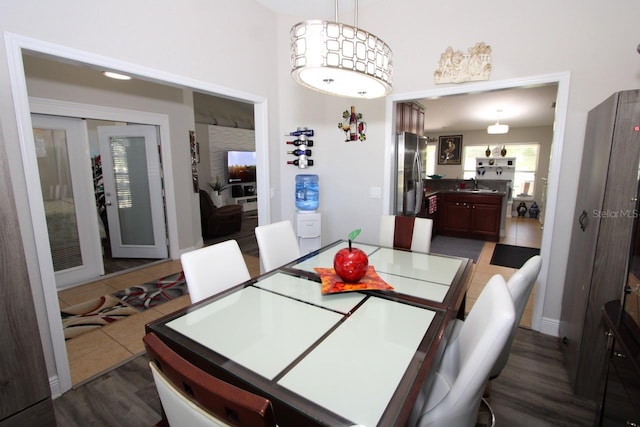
411	161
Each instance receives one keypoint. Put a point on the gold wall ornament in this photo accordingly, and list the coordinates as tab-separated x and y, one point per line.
459	67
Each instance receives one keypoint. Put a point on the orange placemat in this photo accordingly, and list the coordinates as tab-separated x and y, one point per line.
332	283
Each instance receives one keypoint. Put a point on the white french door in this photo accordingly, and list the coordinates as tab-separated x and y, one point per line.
133	191
64	168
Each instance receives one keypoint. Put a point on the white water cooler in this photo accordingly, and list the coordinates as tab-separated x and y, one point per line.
309	231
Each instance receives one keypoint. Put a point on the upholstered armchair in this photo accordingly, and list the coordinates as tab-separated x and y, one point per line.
218	221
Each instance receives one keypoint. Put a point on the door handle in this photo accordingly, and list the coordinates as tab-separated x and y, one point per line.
581	220
108	203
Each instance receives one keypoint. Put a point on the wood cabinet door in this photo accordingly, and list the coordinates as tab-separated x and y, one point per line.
455	217
407	117
485	220
400	118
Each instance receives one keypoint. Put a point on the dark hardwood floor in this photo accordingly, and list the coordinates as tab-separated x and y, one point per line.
533	390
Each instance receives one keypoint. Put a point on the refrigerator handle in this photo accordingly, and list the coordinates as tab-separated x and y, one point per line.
419	189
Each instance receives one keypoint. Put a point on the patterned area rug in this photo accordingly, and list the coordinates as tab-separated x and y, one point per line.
93	314
101	311
154	293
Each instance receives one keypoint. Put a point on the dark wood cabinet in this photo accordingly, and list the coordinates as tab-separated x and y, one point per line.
601	236
620	405
470	215
410	118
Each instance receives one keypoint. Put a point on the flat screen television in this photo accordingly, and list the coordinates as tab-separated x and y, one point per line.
241	167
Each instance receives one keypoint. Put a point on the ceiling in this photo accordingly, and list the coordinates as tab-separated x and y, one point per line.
521	107
319	9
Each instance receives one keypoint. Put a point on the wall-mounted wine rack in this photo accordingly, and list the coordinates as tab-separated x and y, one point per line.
302	149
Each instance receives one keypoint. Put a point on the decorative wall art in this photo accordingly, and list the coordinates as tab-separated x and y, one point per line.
459	67
353	127
449	150
193	145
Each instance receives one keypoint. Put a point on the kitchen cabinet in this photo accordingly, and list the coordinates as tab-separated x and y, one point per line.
410	118
470	215
601	236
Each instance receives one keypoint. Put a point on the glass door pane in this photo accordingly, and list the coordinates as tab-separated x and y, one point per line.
57	193
132	190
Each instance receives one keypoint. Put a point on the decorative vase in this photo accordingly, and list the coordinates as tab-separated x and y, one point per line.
503	152
218	201
488	152
522	209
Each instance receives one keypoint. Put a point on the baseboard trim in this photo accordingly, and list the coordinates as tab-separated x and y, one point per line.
54	386
550	326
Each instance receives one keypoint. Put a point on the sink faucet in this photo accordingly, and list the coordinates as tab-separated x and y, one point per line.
475	183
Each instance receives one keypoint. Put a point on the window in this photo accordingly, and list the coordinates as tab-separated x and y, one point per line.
526	165
431	160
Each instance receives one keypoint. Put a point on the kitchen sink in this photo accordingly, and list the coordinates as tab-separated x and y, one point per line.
479	190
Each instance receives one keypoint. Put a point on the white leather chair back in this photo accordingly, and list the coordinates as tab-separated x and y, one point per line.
453	398
213	269
278	244
420	240
520	286
179	409
422	229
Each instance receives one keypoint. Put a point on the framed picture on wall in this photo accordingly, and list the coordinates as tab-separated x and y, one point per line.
193	148
450	150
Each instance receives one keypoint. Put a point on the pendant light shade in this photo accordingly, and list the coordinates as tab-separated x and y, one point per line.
340	59
498	128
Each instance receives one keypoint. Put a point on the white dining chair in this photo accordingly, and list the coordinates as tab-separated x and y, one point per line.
192	397
453	397
394	233
277	243
520	285
213	269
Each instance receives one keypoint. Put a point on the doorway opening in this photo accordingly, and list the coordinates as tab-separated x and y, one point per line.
470	91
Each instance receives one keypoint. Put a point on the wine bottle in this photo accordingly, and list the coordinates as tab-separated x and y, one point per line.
298	142
300	152
301	131
302	162
353	124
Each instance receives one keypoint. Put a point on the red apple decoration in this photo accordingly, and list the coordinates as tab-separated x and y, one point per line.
350	263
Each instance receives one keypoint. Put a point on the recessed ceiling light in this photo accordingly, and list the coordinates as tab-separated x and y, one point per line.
116	76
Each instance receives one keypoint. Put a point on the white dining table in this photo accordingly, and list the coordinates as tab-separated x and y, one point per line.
336	359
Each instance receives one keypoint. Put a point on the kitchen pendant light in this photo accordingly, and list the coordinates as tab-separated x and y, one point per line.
340	59
498	128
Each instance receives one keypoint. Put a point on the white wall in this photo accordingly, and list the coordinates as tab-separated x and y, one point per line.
527	39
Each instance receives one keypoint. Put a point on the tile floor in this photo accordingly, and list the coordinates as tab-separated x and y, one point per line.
97	351
519	232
